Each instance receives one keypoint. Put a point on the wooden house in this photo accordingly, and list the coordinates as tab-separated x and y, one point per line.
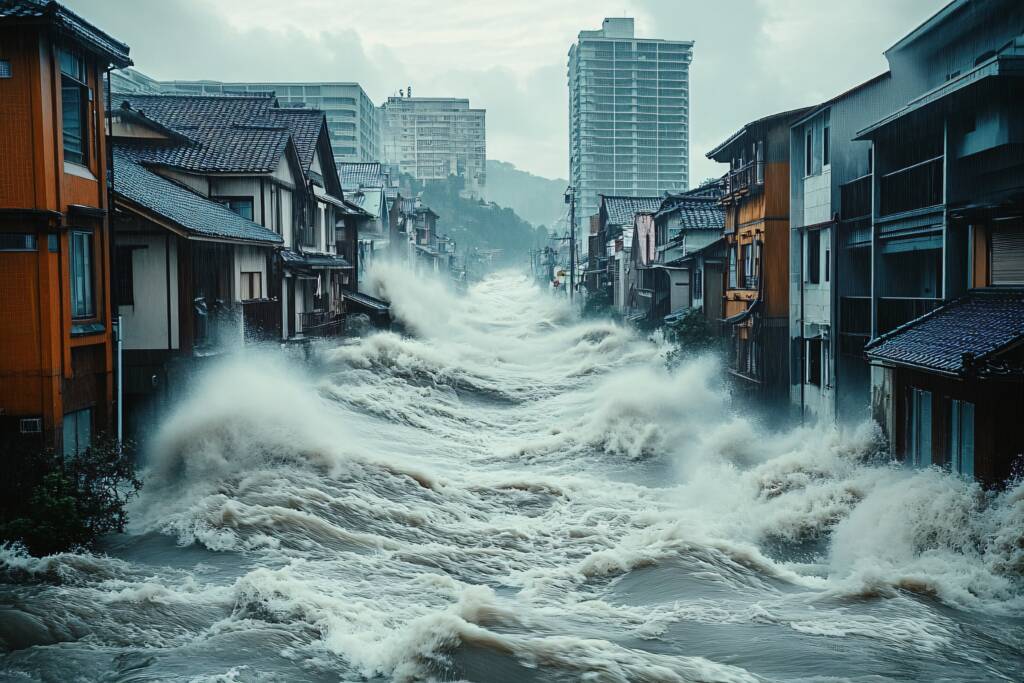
756	299
56	341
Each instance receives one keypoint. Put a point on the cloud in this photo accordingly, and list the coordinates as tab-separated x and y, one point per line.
751	57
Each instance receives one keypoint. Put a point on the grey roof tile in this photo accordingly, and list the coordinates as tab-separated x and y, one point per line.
195	214
622	210
981	323
361	174
66	21
694	213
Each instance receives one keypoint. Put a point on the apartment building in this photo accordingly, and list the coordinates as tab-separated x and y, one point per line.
629	115
432	138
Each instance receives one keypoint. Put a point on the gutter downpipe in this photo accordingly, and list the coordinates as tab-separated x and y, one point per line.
803	361
111	239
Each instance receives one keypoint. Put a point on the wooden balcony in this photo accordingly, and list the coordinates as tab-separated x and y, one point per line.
744	180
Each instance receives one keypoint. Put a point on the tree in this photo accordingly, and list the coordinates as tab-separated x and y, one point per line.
52	505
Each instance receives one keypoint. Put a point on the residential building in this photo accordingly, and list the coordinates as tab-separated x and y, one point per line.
57	358
947	243
353	121
367	185
432	138
830	252
687	268
608	267
629	115
225	233
756	300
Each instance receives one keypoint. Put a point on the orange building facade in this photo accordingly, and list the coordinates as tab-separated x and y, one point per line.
56	342
756	287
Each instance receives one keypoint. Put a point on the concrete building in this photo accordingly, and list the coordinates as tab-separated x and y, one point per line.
431	138
352	119
629	113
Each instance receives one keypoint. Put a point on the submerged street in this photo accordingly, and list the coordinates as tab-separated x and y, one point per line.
509	493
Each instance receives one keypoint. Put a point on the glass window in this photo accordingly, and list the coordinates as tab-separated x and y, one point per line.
17	241
82	303
808	151
251	285
813	257
240	205
824	147
74	98
961	437
919	427
77	432
732	267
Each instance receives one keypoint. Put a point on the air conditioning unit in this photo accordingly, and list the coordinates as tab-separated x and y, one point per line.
30	425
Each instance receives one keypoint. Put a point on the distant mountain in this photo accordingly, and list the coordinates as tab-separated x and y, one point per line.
533	198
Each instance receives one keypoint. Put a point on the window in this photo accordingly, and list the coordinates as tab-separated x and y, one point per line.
809	151
813	265
961	437
748	265
919	427
828	264
732	267
814	362
82	304
77	432
251	285
125	277
240	205
825	158
17	241
75	95
698	284
5	68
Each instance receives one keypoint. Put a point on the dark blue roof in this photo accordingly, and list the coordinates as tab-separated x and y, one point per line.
361	174
69	23
229	149
982	323
194	213
622	210
305	126
186	112
693	213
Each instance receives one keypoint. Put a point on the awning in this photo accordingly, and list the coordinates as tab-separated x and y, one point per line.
297	262
742	316
367	301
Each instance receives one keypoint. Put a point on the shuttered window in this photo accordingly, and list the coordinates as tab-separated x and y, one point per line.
1008	257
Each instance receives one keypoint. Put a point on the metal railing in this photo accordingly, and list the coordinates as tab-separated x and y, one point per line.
321	324
914	187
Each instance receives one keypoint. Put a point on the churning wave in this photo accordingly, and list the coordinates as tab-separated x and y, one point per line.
509	493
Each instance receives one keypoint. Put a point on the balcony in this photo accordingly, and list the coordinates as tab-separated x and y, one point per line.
893	312
914	187
321	324
854	324
745	179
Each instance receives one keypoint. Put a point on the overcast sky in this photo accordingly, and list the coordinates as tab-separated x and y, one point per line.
751	57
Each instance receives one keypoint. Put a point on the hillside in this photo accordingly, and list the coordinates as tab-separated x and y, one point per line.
534	198
475	223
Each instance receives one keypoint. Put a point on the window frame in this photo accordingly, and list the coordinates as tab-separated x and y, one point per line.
125	281
74	77
812	260
79	428
89	280
227	202
246	276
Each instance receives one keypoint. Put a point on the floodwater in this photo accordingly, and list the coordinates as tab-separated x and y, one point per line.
509	494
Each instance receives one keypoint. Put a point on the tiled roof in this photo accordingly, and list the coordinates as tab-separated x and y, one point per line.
693	213
185	113
361	174
622	210
66	21
305	126
981	323
409	204
231	149
196	214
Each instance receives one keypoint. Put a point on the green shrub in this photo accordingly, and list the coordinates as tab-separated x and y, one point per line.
691	335
52	505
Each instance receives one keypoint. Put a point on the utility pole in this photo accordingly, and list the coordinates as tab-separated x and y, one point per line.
570	199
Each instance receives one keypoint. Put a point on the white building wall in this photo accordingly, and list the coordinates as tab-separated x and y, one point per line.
153	268
249	259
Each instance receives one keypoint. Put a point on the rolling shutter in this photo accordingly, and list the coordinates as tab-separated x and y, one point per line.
1008	257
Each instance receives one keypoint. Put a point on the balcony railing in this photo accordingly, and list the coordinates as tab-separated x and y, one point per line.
914	187
322	324
895	311
746	178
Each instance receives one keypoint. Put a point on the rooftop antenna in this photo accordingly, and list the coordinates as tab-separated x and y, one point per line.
409	91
